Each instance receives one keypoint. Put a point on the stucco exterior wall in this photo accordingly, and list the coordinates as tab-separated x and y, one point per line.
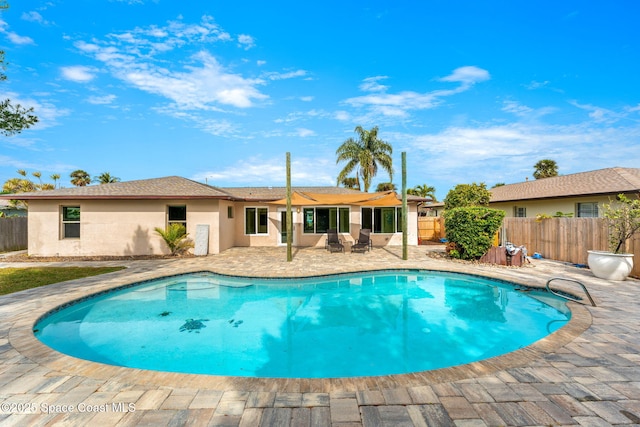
114	227
312	239
126	227
551	206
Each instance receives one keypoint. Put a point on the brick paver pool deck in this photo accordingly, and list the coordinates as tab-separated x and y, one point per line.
587	373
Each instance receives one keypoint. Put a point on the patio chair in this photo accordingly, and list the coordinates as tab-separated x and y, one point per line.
333	243
363	243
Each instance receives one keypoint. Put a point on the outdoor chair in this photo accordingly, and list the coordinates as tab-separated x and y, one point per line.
333	243
363	243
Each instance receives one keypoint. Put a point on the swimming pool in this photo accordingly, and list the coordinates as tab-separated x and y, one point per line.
349	325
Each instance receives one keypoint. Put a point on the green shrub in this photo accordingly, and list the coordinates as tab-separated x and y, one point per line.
472	229
175	236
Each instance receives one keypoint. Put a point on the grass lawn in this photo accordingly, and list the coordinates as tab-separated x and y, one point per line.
19	279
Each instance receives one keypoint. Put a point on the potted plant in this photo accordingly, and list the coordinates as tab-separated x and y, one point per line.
623	219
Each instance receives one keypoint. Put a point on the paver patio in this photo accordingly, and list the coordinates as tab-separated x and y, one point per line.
587	373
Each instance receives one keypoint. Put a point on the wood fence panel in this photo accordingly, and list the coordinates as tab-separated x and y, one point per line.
430	228
564	239
13	233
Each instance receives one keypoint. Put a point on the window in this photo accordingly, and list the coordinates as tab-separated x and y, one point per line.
319	220
382	220
177	215
519	212
587	210
229	212
70	222
256	220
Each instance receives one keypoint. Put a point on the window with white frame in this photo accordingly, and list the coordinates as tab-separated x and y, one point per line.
320	219
519	212
587	210
256	220
70	222
177	215
382	219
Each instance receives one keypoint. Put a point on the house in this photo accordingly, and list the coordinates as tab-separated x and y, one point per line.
119	218
578	195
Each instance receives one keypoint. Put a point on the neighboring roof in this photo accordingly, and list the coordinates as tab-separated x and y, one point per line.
608	181
4	205
175	187
276	193
171	187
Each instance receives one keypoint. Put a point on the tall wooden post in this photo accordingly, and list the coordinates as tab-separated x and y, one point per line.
405	214
289	224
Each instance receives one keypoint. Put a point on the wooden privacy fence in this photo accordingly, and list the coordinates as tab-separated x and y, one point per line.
564	239
13	233
430	228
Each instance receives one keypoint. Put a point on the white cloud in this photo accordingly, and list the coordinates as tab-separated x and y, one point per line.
201	83
306	98
304	171
381	103
34	17
101	100
284	76
246	41
304	133
468	75
599	114
370	84
78	73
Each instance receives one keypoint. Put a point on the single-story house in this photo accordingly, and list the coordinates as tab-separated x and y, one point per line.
578	194
119	218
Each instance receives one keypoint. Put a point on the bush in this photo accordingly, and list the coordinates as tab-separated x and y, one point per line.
472	229
175	236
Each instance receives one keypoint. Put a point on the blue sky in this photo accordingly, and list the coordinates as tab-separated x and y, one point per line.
220	91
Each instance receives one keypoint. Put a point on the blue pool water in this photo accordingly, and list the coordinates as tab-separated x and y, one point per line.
365	324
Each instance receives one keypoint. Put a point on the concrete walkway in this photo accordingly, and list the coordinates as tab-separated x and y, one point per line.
587	373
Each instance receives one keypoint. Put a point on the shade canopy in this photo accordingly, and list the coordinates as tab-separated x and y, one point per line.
385	198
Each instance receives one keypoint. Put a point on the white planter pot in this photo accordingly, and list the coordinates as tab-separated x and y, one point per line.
610	266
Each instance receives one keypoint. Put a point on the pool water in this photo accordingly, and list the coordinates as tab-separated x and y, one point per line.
364	324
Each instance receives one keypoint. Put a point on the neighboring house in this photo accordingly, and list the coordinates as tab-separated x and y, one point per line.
120	218
579	194
9	210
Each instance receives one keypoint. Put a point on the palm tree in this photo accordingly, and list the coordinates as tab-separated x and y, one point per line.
545	169
386	186
106	178
55	177
424	190
364	155
351	182
80	178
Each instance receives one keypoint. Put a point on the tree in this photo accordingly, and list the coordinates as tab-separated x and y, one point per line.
80	178
55	177
386	186
423	190
467	195
13	118
24	185
351	182
545	168
106	178
364	155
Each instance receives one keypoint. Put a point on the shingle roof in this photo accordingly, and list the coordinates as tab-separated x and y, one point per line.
599	182
173	187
